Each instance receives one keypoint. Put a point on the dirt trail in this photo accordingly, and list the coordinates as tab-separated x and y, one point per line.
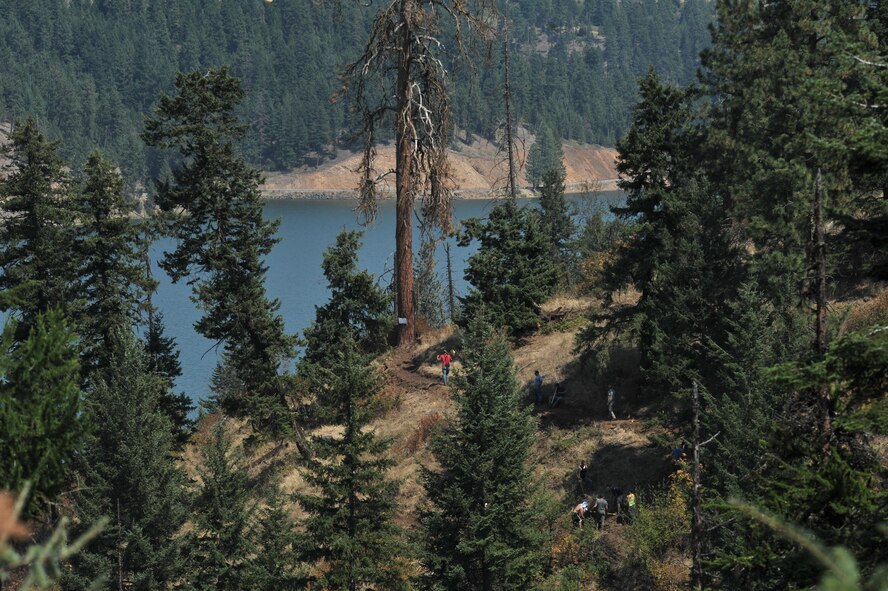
619	452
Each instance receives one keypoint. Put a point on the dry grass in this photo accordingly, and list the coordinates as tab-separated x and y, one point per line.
420	435
868	314
415	403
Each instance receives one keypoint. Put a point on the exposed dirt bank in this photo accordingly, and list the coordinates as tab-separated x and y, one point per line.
479	171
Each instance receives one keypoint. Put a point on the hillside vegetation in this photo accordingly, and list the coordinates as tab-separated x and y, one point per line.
719	340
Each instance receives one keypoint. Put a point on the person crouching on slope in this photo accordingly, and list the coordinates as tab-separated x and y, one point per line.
580	511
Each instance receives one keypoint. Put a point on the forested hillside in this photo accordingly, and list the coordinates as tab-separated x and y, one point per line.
90	70
688	391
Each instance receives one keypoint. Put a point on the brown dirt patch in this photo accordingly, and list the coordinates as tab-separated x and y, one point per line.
478	171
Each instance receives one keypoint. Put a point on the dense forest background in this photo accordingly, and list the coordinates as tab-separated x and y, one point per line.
90	70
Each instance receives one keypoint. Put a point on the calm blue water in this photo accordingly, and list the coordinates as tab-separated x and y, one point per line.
294	276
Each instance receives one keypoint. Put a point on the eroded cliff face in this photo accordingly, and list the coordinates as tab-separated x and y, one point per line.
479	171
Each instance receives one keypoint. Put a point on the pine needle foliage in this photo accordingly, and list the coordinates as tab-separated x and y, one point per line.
839	497
558	221
163	359
349	531
236	543
479	528
511	274
222	237
128	473
358	309
429	291
42	421
219	546
37	234
677	251
110	252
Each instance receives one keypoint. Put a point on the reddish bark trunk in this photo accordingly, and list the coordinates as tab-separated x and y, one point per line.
404	188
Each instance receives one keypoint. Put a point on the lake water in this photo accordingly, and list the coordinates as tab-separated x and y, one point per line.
295	277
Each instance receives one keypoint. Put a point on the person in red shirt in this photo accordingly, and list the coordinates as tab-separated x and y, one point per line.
445	359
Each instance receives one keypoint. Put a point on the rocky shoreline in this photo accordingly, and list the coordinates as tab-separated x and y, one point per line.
462	194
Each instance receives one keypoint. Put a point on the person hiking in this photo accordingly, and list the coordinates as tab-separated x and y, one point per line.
611	399
678	454
630	502
557	395
445	359
537	387
580	511
617	492
600	511
585	481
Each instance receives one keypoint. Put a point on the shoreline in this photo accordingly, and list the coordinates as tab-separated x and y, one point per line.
459	194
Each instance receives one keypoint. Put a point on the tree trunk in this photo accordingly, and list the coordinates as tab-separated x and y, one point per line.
510	147
404	146
451	296
820	294
696	504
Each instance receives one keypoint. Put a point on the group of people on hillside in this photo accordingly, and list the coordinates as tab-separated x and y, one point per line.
560	392
597	505
557	395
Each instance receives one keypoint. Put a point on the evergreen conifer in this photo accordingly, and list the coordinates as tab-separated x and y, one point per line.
128	473
222	237
511	273
479	528
358	308
349	531
557	220
37	234
110	253
545	155
233	544
42	421
163	359
429	291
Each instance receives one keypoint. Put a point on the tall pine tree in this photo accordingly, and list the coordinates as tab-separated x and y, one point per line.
37	234
557	220
782	83
677	252
429	291
128	473
42	420
110	253
236	543
222	238
511	273
479	531
349	531
358	308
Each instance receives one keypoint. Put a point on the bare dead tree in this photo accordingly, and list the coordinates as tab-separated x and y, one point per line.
509	124
513	155
401	77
